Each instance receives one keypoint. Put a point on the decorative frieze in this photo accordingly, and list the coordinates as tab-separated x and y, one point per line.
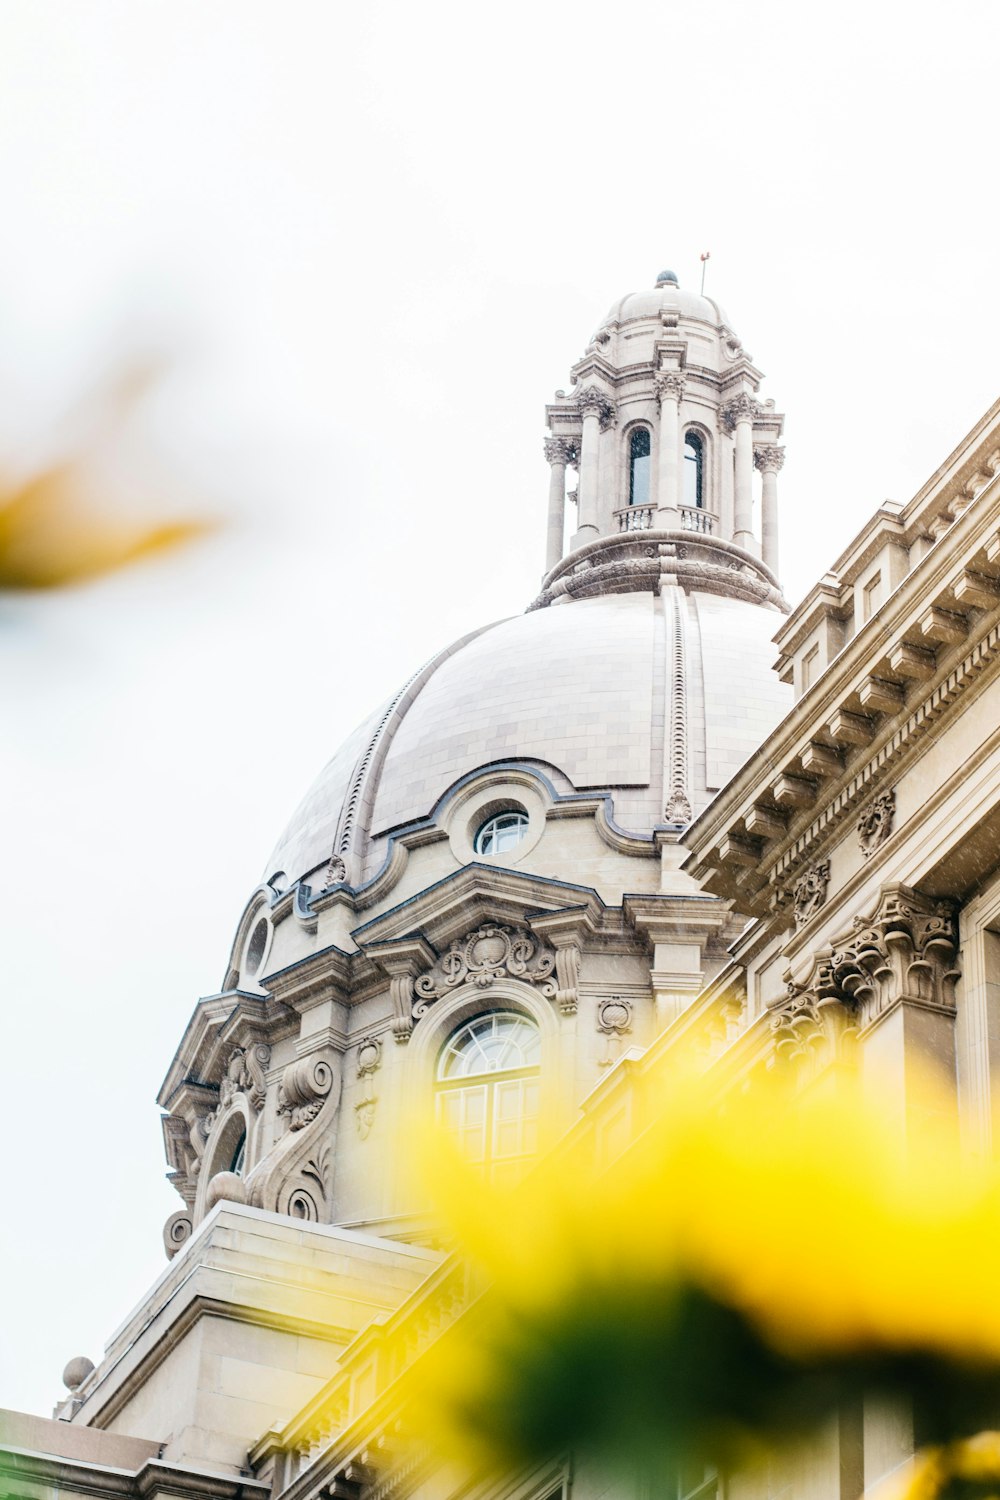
875	822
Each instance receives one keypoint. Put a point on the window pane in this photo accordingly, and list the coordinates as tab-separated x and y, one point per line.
693	466
639	463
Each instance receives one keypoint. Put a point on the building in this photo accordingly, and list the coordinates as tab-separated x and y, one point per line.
571	840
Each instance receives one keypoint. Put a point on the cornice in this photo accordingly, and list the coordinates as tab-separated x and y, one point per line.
863	717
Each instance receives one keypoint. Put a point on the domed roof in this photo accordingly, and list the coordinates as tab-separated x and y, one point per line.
581	691
666	295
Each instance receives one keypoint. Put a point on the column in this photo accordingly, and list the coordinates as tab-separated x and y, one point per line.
598	413
669	389
558	454
769	460
739	413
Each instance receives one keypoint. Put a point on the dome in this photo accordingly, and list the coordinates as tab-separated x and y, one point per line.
667	296
578	692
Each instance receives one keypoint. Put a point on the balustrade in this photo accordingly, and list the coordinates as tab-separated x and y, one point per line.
696	519
635	517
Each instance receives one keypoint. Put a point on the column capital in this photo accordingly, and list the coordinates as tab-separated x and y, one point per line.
670	386
593	401
742	408
904	953
561	451
768	458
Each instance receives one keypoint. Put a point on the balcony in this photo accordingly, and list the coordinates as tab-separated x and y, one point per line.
642	518
635	517
693	519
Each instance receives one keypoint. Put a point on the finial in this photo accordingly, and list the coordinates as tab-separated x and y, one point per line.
667	278
76	1372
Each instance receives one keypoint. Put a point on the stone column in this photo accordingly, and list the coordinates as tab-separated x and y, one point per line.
558	453
769	460
598	413
739	413
669	390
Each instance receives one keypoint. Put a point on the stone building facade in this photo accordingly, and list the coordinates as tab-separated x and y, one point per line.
656	807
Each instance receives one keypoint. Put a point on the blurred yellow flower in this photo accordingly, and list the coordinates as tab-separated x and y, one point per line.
747	1262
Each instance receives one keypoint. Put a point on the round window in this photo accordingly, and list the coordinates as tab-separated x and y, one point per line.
501	832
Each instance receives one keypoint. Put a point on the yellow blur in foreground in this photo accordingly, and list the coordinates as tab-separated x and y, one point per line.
765	1252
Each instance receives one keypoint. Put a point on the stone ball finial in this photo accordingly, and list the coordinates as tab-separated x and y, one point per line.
667	278
227	1185
77	1371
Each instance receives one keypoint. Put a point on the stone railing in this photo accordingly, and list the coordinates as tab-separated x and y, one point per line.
695	519
635	517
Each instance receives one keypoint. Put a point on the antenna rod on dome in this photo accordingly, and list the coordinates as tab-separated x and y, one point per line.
704	259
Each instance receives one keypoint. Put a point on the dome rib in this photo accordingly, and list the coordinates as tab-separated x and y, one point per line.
353	826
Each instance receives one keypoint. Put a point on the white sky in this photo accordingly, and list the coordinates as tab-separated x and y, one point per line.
376	237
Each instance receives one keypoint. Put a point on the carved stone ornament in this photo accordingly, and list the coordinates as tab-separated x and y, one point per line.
768	458
303	1091
561	451
875	822
369	1062
489	953
812	1026
670	386
592	401
177	1231
336	872
903	954
809	892
614	1021
245	1074
741	408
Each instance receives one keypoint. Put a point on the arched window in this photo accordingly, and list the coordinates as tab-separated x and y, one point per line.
487	1082
694	467
638	467
239	1155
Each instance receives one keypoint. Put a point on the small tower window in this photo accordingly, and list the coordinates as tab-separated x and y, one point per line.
239	1155
501	832
694	466
638	467
487	1085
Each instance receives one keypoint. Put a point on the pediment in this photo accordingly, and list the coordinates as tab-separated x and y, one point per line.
219	1024
471	896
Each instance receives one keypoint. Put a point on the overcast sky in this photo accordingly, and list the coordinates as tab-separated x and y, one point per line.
370	241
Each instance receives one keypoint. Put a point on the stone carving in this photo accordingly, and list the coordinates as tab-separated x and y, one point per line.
561	451
905	951
567	977
592	401
177	1231
614	1021
296	1175
670	386
812	1026
741	408
369	1062
303	1091
489	953
875	822
244	1074
809	892
336	872
768	458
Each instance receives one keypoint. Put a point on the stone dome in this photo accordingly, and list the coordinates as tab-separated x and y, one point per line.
666	297
578	692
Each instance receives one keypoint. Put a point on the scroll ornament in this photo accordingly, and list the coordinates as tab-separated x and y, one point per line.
177	1231
296	1177
489	953
303	1091
614	1021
